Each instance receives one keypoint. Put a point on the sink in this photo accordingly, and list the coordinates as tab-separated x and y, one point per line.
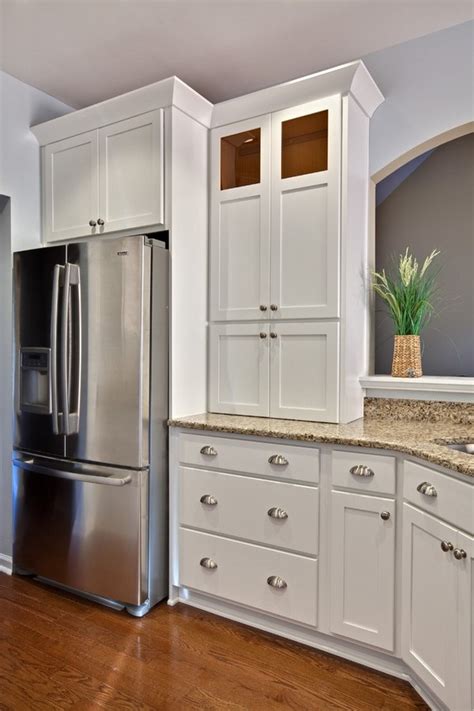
466	447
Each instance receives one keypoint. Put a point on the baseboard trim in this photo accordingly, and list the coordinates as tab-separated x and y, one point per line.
6	564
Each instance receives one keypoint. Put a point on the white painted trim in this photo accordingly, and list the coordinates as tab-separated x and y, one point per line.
6	564
428	387
352	78
161	94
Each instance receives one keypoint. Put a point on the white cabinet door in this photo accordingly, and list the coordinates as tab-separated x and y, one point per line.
240	220
239	365
465	622
131	172
363	568
429	603
304	371
305	210
70	187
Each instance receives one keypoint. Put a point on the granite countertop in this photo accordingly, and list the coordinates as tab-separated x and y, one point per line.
420	438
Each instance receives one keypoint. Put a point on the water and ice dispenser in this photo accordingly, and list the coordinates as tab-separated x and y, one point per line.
35	380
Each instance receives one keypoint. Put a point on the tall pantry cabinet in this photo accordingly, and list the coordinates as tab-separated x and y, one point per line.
288	248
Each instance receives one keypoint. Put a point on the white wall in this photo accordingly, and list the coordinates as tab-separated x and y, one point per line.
22	106
428	88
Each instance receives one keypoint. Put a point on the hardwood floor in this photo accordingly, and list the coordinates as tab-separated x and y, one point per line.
62	652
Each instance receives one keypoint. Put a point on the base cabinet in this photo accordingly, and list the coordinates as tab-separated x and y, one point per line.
363	568
436	587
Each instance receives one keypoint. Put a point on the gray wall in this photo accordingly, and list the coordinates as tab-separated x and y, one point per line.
433	208
6	379
428	84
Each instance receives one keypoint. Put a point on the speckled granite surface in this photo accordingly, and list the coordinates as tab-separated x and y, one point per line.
419	438
423	410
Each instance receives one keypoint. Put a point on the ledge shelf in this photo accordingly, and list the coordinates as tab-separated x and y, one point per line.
428	387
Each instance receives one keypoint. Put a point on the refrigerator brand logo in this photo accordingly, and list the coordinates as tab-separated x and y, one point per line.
122	254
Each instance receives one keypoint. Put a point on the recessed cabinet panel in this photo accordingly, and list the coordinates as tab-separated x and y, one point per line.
363	568
71	184
239	364
304	145
131	175
305	209
240	221
304	371
239	255
240	159
429	603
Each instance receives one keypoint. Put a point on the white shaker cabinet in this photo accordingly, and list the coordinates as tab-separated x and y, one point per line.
104	180
436	595
71	187
362	565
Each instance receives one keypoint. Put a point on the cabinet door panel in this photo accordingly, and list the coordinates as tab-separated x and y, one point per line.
465	619
304	371
70	187
305	214
240	220
239	367
363	568
131	172
429	603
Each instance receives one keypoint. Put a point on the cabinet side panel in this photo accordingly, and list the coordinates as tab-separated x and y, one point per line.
188	154
354	276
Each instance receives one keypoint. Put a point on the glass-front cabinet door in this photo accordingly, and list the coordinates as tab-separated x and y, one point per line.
240	220
305	210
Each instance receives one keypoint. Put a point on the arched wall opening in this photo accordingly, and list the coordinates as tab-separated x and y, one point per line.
424	200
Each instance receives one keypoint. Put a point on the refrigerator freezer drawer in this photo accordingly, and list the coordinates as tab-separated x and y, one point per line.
83	526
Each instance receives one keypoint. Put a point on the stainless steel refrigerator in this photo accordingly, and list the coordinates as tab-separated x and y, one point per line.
91	403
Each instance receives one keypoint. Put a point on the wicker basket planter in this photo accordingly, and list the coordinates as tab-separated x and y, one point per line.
407	357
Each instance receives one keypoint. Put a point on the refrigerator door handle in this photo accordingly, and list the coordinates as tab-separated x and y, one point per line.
112	480
58	269
72	277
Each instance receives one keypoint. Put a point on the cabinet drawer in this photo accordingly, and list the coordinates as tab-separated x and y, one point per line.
242	575
241	507
380	471
454	500
297	463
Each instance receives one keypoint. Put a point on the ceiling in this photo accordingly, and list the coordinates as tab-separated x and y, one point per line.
85	51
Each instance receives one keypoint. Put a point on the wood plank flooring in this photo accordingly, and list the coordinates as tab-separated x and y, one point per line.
62	652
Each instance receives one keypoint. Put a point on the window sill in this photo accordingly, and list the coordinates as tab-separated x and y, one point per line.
428	387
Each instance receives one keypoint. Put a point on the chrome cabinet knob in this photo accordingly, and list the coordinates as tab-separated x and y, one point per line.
273	335
277	512
262	334
278	459
446	546
263	307
209	451
427	489
208	563
459	553
274	307
208	499
276	582
92	223
100	222
361	470
385	515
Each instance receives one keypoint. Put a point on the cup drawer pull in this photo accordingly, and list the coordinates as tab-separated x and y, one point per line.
427	489
274	581
277	512
361	470
208	563
278	459
208	499
209	451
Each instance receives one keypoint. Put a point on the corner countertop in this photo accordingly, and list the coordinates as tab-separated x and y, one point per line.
419	438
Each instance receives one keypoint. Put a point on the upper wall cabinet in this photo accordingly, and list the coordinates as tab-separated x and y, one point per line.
274	215
105	180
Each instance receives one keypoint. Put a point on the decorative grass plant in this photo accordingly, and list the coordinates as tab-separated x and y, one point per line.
409	294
